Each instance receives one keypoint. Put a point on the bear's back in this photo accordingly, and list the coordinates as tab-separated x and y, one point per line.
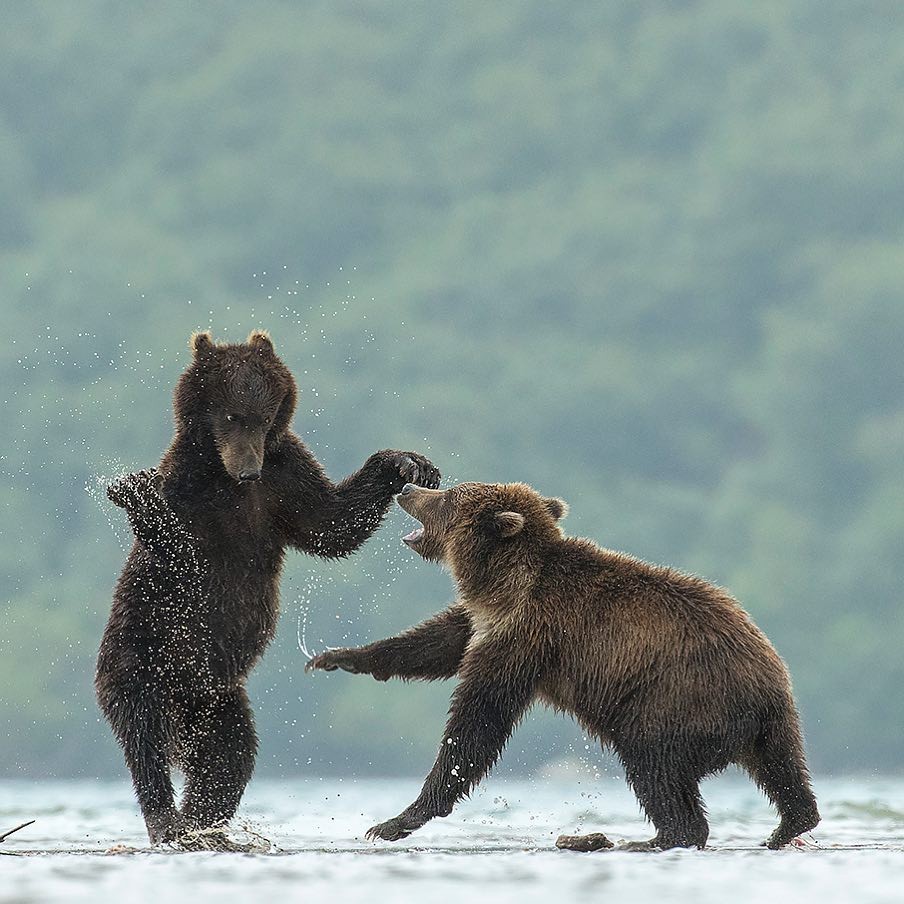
636	634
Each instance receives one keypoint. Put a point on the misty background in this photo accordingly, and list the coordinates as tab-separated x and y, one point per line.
646	256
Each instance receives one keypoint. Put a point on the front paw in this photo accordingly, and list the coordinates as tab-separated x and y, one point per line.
347	660
131	491
393	829
409	467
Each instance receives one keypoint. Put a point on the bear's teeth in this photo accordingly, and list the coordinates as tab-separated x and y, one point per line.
414	536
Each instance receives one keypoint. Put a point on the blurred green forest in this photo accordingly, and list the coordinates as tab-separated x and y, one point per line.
647	256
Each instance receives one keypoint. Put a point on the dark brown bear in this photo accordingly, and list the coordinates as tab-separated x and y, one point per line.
197	601
665	668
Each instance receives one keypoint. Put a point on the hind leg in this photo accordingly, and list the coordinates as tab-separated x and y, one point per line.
141	727
670	800
218	758
778	766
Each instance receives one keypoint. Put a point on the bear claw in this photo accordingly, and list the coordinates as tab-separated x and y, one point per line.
331	660
392	830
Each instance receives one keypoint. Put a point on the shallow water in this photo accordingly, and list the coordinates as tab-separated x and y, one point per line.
499	846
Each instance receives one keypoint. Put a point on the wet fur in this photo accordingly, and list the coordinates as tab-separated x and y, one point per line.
198	599
663	667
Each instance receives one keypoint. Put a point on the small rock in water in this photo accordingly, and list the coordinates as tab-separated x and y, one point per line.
584	843
120	849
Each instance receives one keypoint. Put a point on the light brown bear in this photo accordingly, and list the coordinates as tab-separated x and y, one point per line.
664	667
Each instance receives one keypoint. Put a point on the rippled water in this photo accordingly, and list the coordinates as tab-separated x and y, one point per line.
499	846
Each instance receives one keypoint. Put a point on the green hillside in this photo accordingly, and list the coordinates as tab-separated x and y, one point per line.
648	257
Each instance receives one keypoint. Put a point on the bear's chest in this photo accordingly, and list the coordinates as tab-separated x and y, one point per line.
236	535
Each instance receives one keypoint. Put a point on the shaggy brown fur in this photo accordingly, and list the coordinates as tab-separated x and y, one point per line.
197	601
665	668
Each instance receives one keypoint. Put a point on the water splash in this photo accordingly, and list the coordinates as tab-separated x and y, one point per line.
300	632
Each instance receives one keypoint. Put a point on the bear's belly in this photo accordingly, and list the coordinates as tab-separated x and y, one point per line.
210	617
242	613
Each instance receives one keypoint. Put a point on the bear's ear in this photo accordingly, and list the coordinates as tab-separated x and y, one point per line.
507	524
558	508
261	342
201	344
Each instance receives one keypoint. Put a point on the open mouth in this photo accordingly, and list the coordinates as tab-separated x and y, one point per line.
414	537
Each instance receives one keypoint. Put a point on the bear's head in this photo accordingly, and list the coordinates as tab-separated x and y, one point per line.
475	526
241	395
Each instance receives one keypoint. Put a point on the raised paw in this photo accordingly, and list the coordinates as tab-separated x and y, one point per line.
347	660
409	467
393	829
132	491
426	473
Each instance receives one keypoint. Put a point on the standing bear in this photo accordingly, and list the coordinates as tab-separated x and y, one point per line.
665	668
198	599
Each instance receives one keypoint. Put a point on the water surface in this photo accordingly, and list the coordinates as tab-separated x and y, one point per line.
497	847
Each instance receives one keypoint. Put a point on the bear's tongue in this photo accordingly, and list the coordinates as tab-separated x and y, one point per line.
414	536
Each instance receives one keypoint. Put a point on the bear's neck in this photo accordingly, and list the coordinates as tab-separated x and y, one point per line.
496	583
192	464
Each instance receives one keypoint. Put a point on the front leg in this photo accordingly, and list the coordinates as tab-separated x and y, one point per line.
493	695
432	650
155	525
334	520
